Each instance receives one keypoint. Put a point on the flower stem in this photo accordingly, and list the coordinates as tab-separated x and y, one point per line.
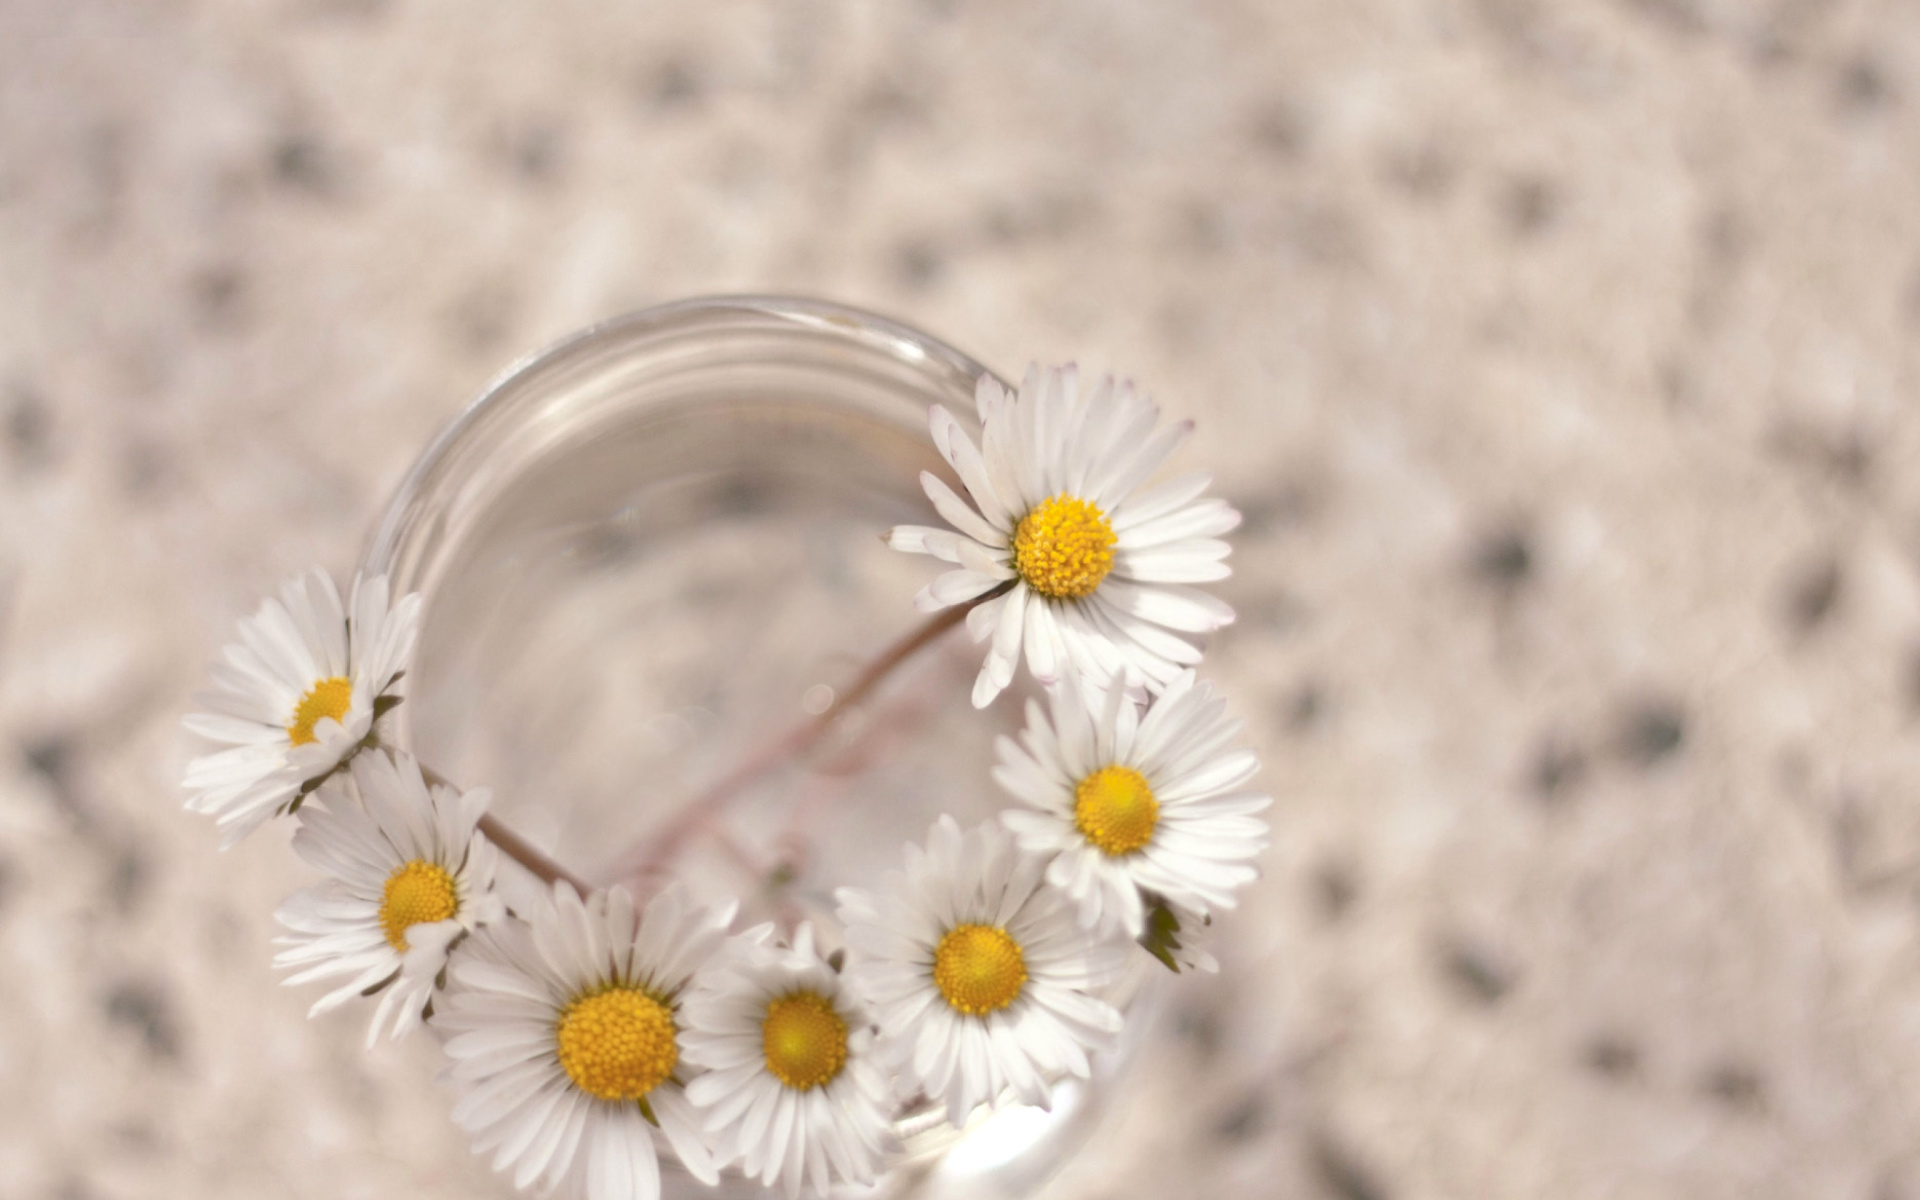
515	847
527	855
643	863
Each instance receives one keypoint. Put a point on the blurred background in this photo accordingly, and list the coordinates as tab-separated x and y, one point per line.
1561	352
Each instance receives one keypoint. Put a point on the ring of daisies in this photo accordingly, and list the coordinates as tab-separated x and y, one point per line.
589	1033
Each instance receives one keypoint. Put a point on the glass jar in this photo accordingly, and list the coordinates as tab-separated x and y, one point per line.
651	548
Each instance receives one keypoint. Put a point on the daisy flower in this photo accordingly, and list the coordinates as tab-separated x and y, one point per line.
1125	803
1094	570
980	976
565	1035
410	876
296	697
791	1088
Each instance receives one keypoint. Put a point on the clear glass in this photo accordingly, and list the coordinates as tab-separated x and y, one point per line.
654	546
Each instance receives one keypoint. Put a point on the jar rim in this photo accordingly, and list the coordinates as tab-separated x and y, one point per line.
770	311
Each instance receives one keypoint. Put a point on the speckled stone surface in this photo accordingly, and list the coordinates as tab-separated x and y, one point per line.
1562	353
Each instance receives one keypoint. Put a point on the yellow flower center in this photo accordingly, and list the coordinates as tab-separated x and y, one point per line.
805	1041
415	892
979	968
1064	548
617	1043
329	698
1115	810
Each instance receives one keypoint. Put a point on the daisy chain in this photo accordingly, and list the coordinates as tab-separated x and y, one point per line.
587	1034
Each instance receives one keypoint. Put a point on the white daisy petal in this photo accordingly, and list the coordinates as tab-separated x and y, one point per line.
943	544
1170	565
965	459
1204	519
1042	657
983	619
988	398
1130	470
1160	500
1185	609
1131	428
997	672
680	1125
957	513
954	587
1150	649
